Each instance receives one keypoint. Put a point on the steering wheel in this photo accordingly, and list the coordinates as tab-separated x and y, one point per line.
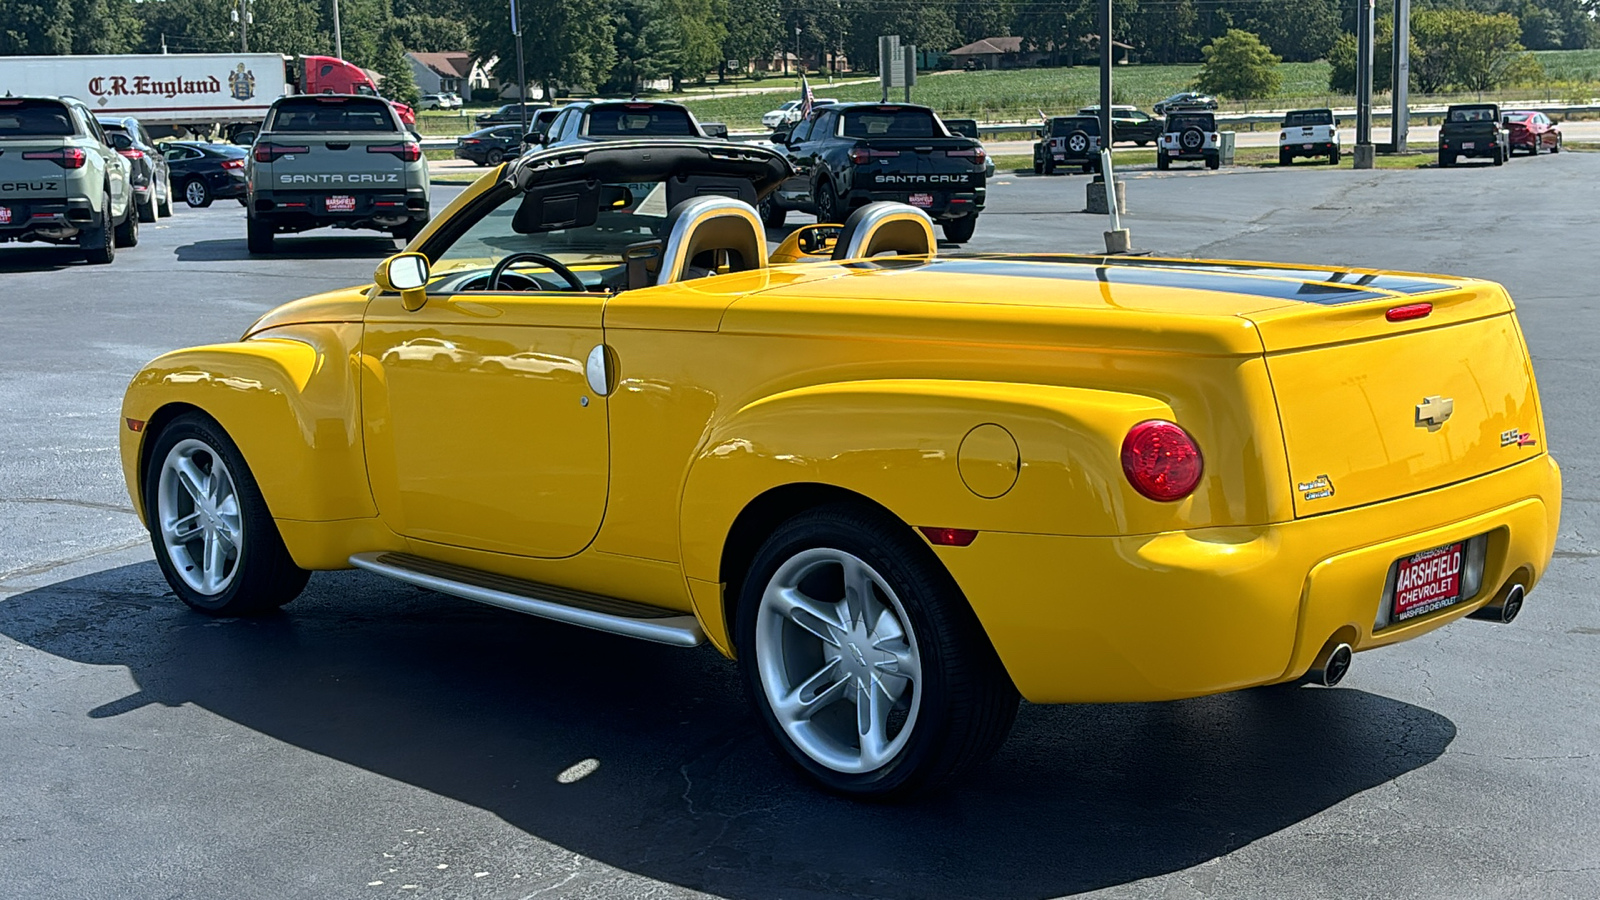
548	262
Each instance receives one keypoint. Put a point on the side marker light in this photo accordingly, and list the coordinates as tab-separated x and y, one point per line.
136	425
949	537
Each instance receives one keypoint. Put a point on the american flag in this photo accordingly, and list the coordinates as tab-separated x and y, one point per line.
807	99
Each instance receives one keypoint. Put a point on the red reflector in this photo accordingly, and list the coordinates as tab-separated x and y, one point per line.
291	204
1408	312
949	537
1161	460
135	425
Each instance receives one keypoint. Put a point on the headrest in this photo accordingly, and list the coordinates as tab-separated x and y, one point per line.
886	227
712	224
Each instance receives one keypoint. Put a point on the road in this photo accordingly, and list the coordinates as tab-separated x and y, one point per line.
381	741
1420	135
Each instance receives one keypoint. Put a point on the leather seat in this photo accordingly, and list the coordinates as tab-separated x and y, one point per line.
886	227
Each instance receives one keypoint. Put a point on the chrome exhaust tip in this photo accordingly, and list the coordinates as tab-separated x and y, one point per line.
1501	609
1332	664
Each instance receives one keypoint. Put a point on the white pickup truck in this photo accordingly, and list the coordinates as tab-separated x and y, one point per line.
1308	132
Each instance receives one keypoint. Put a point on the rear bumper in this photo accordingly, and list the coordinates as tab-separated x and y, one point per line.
1312	148
46	217
302	211
945	205
1478	150
1182	614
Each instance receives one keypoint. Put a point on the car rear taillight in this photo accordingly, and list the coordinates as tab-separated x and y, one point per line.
408	151
976	153
470	141
860	155
233	164
267	152
1161	460
66	157
1283	135
132	153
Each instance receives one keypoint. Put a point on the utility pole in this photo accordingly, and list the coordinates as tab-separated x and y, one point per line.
1400	117
522	71
242	14
1364	29
338	35
1117	239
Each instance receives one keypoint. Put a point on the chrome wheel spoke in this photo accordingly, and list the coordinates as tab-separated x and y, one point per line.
192	479
819	618
183	530
872	722
822	689
860	602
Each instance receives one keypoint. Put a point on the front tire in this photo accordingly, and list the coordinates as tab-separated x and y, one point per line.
214	537
772	215
864	660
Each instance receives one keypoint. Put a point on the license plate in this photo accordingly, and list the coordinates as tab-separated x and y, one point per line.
1305	146
1428	581
340	203
1172	152
5	215
1468	145
921	200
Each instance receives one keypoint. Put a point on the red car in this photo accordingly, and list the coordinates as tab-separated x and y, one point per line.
1531	131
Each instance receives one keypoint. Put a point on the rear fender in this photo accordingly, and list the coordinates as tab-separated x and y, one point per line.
288	398
900	443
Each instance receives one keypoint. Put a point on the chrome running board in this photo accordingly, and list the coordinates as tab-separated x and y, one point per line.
624	617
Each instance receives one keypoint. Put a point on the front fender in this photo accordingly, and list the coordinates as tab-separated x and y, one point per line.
288	398
900	443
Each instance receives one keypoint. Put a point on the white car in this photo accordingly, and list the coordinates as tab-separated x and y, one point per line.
1308	132
789	112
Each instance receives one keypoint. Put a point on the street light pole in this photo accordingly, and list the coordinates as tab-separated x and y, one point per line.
338	35
1117	239
1400	117
1364	29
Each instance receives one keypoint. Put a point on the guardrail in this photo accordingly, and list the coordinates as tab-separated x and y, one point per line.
1424	113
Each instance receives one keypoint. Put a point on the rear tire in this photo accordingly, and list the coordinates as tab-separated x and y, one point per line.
214	538
98	245
1049	165
197	193
1284	159
828	211
258	236
1500	158
959	231
409	230
164	207
147	211
920	680
772	215
1162	162
127	234
1333	158
1557	147
1446	160
1213	162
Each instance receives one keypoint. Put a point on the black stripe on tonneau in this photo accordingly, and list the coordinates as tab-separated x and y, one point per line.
1399	284
1091	269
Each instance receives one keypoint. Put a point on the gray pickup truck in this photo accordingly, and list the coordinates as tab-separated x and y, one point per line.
61	182
334	160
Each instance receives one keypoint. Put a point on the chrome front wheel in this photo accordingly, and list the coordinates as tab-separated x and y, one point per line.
198	513
839	666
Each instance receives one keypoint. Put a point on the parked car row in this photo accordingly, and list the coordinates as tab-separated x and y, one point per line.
440	101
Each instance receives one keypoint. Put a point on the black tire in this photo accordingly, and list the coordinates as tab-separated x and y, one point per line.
147	211
959	231
828	209
258	235
1049	165
1284	159
1213	162
99	244
1499	158
127	234
1142	143
772	215
1161	161
1192	139
243	200
407	231
1333	158
264	576
1557	147
1446	160
164	206
197	193
967	702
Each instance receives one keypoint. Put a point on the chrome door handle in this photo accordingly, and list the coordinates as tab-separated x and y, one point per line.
597	369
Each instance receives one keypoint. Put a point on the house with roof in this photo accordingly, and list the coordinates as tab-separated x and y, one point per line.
449	72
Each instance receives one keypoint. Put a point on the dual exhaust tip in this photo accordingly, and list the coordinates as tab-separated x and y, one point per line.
1333	662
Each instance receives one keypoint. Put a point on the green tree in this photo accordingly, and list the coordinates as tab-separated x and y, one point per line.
754	30
398	81
1056	28
566	42
1164	34
1299	30
1342	60
1472	51
646	47
364	26
188	26
431	34
1239	66
698	28
289	27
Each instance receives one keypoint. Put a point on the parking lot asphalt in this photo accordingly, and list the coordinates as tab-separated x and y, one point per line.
382	741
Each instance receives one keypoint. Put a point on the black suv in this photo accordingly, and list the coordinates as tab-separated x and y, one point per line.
588	121
1068	141
147	168
851	154
1129	123
510	114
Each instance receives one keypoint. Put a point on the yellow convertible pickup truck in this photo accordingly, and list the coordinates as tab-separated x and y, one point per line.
902	490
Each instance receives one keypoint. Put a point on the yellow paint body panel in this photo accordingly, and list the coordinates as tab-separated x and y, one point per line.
988	394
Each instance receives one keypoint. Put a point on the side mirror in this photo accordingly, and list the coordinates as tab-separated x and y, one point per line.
781	137
407	275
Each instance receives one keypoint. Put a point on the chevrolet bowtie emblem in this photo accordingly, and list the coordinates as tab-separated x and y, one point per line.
1435	411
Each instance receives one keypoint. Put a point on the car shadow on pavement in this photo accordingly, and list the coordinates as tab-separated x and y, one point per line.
292	247
490	708
39	258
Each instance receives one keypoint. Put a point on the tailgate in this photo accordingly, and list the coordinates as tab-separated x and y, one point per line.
1373	409
339	163
927	165
28	171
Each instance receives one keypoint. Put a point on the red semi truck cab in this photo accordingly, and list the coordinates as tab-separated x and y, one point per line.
332	75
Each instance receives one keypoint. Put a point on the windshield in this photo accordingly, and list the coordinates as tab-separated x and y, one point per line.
1473	114
629	212
1517	117
1309	117
331	114
33	118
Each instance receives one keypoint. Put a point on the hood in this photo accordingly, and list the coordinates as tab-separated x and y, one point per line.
344	305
